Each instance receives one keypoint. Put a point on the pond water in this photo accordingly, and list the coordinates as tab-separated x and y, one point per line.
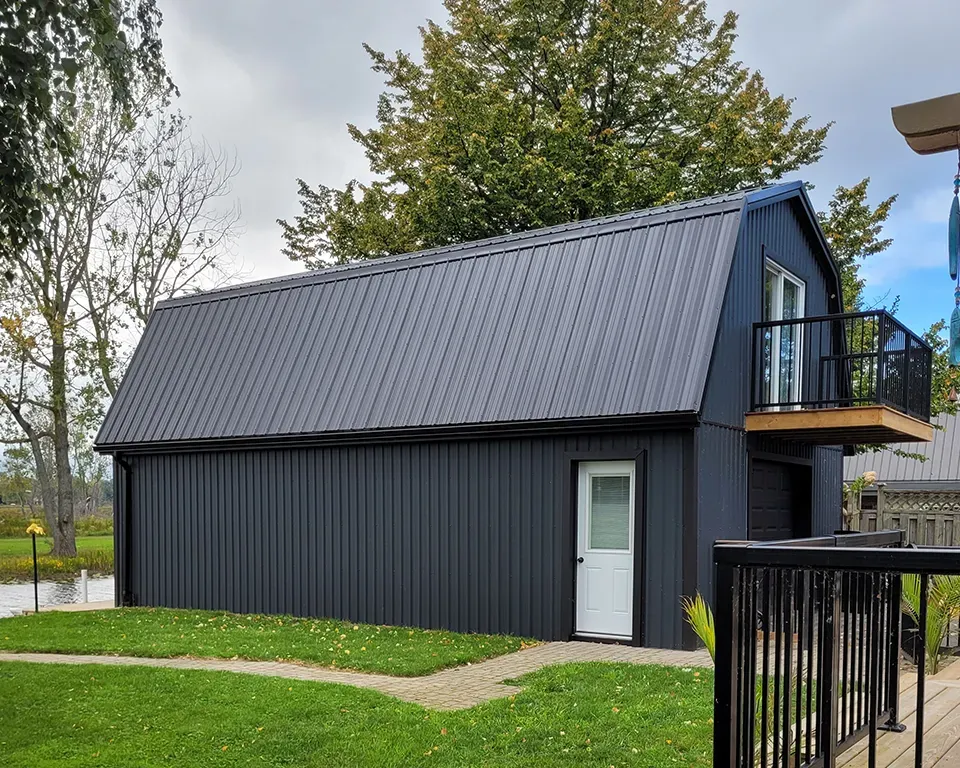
15	598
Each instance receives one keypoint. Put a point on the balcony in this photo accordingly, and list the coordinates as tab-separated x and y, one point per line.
840	380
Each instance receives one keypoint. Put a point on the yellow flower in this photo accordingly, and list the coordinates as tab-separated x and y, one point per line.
36	529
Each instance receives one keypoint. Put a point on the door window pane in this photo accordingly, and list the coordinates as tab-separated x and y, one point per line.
610	512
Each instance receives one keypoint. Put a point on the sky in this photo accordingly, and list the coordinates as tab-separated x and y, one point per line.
277	81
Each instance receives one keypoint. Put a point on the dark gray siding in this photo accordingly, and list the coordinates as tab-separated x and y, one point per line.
467	535
827	490
565	323
775	231
779	231
724	487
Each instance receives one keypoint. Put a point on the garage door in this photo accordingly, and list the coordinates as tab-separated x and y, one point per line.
774	496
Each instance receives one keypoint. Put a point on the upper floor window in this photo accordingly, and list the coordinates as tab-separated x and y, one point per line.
783	293
783	299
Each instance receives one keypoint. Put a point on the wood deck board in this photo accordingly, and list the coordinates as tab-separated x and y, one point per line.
941	731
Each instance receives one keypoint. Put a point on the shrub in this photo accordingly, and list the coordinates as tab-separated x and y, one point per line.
96	561
94	525
943	605
13	524
700	617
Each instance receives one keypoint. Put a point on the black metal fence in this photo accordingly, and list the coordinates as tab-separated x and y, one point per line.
808	646
831	361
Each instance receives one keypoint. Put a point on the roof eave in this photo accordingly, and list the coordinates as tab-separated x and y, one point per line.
640	421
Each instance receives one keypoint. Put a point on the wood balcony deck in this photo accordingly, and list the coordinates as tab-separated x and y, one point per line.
867	424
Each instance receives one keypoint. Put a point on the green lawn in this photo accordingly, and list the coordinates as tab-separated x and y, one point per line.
24	547
162	632
590	715
94	553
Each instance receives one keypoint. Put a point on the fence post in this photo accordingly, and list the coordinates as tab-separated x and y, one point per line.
854	514
725	688
830	694
881	522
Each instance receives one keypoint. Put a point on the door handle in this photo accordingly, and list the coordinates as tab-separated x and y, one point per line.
579	559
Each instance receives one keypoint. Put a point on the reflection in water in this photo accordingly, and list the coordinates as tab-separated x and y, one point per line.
15	598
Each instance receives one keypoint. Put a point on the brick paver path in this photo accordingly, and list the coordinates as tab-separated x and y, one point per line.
457	688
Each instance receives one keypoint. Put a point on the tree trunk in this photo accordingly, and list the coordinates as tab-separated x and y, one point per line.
47	496
64	532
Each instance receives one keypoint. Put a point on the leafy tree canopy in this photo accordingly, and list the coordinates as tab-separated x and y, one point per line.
525	114
854	229
44	44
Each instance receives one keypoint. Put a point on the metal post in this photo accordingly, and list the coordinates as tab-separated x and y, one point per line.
83	585
725	680
881	395
36	577
829	692
921	667
893	655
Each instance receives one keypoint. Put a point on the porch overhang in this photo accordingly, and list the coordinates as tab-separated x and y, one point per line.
841	426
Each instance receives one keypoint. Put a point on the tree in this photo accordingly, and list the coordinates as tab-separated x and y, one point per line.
854	230
138	223
44	44
528	114
16	479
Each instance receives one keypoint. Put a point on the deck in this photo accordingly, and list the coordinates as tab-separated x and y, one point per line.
941	729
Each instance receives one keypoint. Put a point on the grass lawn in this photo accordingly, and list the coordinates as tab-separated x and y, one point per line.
95	553
572	715
163	632
24	548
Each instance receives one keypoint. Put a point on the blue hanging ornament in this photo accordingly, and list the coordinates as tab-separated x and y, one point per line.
955	330
954	239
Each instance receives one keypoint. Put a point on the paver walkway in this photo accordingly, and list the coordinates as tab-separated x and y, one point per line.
456	688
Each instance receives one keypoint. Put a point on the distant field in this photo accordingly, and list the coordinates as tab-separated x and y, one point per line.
94	554
24	547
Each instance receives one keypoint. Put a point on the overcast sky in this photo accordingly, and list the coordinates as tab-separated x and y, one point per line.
277	82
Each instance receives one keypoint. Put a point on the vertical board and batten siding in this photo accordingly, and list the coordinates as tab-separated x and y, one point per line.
774	231
474	536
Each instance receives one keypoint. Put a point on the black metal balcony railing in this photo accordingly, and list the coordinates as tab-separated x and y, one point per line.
838	361
808	638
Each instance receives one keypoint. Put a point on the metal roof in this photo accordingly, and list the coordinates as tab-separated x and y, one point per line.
608	317
942	459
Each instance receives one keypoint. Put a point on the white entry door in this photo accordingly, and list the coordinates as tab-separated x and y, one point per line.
605	548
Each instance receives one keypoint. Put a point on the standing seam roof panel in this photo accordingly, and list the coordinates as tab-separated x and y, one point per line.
942	458
605	318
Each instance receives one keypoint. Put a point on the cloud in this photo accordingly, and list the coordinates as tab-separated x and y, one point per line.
278	80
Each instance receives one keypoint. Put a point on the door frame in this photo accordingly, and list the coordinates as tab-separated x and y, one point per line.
769	260
571	467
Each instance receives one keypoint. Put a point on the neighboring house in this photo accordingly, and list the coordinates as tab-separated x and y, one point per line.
938	470
921	497
540	434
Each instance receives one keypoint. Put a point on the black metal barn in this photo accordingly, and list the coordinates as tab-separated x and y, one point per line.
405	441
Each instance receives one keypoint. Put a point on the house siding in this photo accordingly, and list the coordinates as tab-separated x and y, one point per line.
474	536
774	231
